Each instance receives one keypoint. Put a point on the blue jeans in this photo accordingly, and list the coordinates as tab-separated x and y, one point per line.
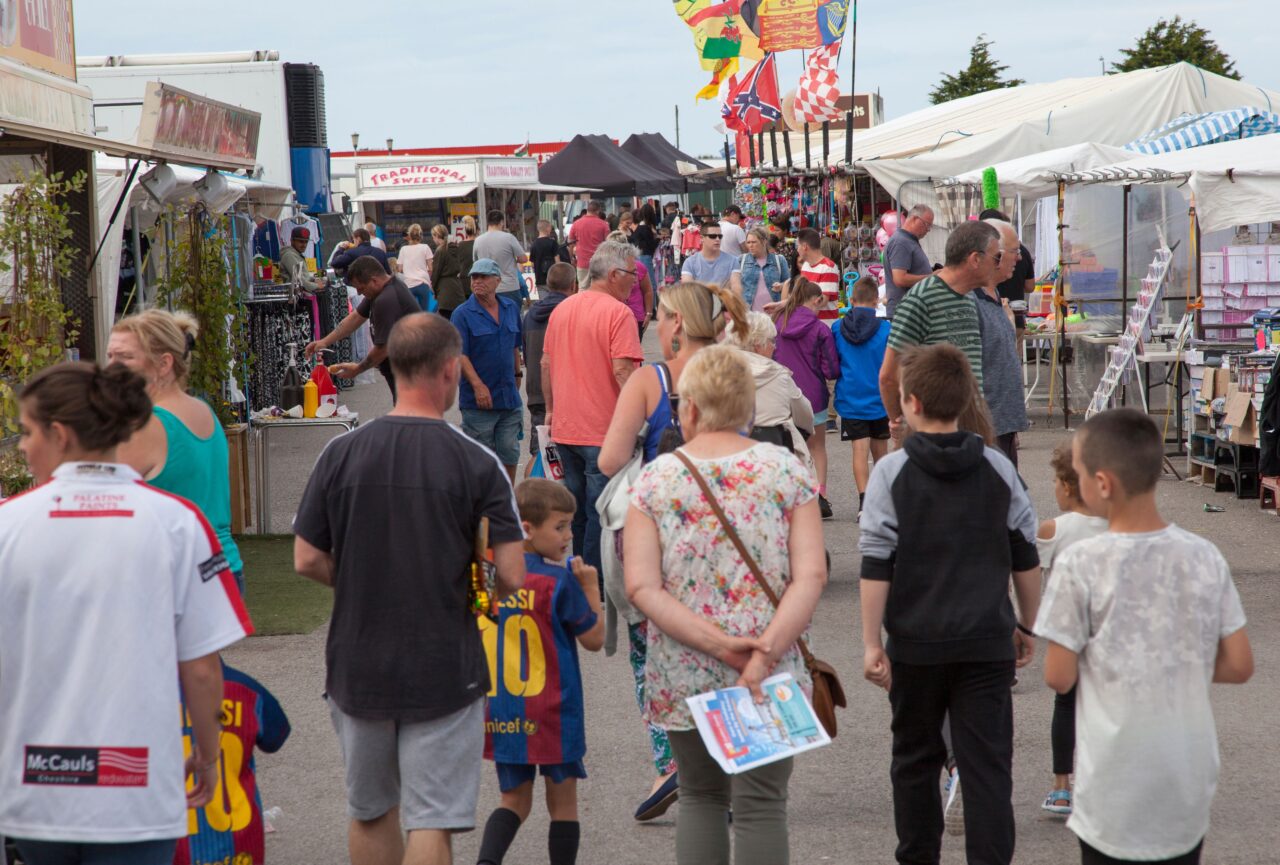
422	294
583	478
71	853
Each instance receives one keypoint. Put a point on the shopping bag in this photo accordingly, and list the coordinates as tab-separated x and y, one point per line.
550	457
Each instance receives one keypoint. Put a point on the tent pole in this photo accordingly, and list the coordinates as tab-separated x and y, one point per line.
1062	293
853	99
728	166
826	143
1124	260
773	144
807	164
786	145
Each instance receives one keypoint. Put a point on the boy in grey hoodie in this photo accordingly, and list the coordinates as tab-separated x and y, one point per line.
562	281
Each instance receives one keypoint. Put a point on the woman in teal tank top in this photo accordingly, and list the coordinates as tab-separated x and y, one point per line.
182	449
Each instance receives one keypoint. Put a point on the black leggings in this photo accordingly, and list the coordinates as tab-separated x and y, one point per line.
1062	732
1089	856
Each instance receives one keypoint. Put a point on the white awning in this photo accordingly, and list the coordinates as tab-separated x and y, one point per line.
542	187
417	193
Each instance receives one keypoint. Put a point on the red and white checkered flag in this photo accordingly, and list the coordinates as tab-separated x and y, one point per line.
819	86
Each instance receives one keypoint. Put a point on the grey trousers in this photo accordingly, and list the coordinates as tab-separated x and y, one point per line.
758	799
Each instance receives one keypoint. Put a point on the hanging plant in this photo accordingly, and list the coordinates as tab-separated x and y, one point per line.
199	282
36	329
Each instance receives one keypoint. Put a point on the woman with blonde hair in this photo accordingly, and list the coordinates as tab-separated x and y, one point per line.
182	449
712	625
691	317
414	263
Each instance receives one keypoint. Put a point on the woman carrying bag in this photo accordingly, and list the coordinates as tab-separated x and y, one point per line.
712	625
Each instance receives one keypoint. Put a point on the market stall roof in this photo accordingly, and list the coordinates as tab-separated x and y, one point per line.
1196	130
417	193
595	161
1234	182
653	149
977	131
112	147
1036	175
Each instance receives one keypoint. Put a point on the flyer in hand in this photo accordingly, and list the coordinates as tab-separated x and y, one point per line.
741	734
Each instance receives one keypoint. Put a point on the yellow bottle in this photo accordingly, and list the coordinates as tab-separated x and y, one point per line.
310	399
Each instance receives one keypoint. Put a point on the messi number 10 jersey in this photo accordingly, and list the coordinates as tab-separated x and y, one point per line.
534	714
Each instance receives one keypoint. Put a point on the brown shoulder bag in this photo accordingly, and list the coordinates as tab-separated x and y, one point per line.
828	693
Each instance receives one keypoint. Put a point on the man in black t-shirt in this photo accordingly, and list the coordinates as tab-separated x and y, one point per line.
389	520
386	300
543	252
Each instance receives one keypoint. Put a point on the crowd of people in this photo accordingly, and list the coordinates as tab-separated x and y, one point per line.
690	511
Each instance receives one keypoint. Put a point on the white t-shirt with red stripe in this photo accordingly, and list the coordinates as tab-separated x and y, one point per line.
106	584
826	276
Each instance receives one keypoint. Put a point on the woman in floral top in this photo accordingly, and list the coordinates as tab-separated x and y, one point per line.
712	626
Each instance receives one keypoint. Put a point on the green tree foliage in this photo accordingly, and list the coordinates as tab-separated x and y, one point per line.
1174	41
982	74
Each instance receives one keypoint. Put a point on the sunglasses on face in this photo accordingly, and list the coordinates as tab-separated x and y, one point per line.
713	236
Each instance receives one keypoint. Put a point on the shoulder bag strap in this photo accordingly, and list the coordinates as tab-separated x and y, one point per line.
737	542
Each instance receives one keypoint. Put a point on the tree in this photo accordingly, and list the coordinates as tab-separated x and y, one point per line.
982	74
1175	41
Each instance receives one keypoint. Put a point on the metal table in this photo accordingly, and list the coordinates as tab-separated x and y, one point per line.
263	460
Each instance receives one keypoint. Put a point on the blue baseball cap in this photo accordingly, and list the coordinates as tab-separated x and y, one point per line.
485	267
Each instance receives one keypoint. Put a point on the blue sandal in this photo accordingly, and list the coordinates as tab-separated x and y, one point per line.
661	800
1051	803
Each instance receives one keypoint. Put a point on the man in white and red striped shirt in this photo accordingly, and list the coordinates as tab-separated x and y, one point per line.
819	270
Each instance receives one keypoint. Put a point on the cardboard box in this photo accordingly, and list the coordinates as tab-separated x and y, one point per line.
1242	418
1222	386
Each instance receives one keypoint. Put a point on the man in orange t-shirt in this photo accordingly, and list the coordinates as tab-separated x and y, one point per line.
590	349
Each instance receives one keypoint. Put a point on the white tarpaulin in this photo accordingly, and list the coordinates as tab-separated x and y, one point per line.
978	131
1234	182
1035	175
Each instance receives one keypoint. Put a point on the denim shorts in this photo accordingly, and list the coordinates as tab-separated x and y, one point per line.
134	853
512	775
497	429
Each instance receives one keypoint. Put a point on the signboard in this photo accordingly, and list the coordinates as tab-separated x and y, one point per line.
195	126
510	173
39	33
410	174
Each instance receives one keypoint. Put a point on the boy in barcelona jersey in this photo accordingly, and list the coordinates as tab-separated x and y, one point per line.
534	721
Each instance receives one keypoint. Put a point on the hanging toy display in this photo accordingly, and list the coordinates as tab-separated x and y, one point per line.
990	189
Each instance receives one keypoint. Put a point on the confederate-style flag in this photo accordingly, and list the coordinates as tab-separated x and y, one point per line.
753	103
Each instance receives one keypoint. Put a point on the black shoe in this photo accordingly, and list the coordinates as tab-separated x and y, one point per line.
825	507
662	799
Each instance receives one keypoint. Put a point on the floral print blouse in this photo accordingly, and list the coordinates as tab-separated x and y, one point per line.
758	489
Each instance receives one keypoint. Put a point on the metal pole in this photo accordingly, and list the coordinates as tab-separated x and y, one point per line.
807	165
1124	259
728	166
786	145
1062	290
751	150
826	143
853	99
677	126
773	144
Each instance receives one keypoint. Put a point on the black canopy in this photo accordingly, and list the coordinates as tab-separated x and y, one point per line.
654	150
595	161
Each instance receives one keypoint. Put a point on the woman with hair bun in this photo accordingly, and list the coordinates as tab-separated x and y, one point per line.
108	588
691	316
182	449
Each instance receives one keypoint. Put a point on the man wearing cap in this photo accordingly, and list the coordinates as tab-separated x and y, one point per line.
489	393
294	265
386	300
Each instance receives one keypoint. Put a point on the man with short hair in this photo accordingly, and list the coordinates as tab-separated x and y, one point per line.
1001	368
386	300
543	252
734	239
585	236
499	245
1019	284
358	246
940	309
489	396
904	260
710	265
590	350
389	519
293	261
560	284
374	239
820	270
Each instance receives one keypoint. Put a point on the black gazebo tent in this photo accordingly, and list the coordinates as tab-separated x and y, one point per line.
595	161
656	151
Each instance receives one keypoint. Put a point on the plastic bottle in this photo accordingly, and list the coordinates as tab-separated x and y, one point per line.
324	384
310	399
291	384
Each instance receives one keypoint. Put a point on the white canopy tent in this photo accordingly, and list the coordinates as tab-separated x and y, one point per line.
1036	174
1234	182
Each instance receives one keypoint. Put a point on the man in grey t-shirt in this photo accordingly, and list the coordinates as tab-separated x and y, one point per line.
498	244
904	261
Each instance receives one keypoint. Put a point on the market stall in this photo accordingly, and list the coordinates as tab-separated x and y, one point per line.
595	161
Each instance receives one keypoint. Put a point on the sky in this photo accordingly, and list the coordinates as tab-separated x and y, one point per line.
437	74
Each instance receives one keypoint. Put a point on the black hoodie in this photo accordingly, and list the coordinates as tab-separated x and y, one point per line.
946	521
535	331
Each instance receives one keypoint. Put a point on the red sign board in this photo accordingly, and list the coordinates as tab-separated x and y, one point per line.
39	33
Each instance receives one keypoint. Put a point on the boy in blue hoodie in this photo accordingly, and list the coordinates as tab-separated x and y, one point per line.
860	341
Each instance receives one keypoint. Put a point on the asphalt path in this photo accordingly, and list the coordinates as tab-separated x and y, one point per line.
840	803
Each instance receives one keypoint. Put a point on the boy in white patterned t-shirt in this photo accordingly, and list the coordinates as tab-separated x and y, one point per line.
1144	617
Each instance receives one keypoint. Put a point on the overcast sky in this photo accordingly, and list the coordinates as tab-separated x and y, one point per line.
435	73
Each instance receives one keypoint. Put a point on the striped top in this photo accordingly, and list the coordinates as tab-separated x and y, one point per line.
826	276
932	312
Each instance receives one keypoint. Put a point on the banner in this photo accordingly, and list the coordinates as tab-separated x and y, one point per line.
720	37
785	25
39	33
197	126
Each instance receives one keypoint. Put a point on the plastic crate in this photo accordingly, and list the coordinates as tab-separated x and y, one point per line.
1102	283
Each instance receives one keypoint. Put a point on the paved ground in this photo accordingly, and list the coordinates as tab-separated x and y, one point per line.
840	801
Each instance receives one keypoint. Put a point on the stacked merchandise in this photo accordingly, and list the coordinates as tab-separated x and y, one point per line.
1222	422
1236	282
274	323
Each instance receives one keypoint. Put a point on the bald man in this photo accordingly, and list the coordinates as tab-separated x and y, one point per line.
1001	366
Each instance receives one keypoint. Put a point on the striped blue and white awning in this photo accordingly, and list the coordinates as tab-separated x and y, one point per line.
1194	130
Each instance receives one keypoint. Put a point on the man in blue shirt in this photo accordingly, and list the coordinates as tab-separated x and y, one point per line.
905	263
710	265
489	394
361	244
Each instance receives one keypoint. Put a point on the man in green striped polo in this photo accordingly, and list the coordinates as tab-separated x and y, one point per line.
940	308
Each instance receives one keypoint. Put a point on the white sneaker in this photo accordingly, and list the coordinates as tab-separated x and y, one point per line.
953	810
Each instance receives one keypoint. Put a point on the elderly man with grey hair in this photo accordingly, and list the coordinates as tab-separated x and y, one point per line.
1001	368
784	415
904	260
590	349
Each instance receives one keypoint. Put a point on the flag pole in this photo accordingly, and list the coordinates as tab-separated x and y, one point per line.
853	90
